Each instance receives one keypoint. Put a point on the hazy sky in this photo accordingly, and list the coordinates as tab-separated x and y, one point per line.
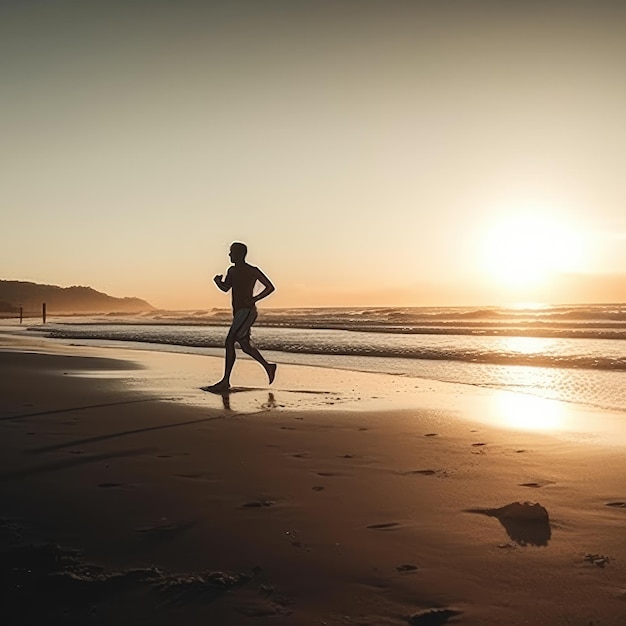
400	153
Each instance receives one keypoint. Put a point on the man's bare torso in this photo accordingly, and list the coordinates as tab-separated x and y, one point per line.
242	278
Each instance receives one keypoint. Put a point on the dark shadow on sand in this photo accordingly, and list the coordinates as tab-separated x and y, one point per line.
5	418
68	463
124	433
526	523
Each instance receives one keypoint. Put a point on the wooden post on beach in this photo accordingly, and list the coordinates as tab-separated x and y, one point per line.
21	314
43	312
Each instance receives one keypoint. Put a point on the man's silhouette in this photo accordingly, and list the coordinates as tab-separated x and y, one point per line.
241	279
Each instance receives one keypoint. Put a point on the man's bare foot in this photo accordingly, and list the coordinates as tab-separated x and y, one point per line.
271	372
219	387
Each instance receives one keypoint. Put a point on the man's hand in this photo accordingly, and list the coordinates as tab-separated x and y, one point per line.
222	285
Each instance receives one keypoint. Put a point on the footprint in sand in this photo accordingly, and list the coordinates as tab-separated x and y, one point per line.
433	617
407	567
477	445
424	472
599	560
537	485
195	476
431	434
258	504
166	531
385	526
326	474
301	455
270	609
617	505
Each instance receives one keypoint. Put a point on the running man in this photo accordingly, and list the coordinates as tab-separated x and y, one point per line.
241	278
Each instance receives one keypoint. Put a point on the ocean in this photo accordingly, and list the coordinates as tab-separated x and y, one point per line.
569	353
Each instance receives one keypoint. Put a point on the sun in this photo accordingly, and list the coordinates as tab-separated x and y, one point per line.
526	249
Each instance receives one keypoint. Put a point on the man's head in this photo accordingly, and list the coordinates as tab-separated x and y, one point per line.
238	252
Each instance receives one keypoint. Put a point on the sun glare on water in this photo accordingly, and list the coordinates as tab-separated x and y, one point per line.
525	250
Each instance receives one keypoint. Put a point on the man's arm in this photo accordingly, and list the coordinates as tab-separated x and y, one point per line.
269	288
224	284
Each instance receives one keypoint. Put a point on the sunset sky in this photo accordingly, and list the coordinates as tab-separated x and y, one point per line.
370	153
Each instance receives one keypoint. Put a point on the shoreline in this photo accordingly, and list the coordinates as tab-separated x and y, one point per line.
335	388
564	379
312	512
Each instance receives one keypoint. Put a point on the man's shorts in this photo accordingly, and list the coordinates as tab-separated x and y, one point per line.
242	323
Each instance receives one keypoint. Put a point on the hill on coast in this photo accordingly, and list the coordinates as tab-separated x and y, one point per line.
15	293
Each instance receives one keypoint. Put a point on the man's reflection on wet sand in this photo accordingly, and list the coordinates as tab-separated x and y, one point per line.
268	405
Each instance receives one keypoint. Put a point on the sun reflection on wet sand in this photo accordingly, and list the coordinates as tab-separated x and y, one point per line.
525	412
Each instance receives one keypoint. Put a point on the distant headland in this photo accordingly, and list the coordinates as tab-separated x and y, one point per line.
15	294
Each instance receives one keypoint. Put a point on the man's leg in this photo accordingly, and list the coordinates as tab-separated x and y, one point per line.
248	348
229	360
239	319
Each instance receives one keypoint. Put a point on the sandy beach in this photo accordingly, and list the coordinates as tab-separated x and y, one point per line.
412	214
128	496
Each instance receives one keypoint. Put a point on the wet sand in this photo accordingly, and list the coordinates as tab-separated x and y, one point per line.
128	496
